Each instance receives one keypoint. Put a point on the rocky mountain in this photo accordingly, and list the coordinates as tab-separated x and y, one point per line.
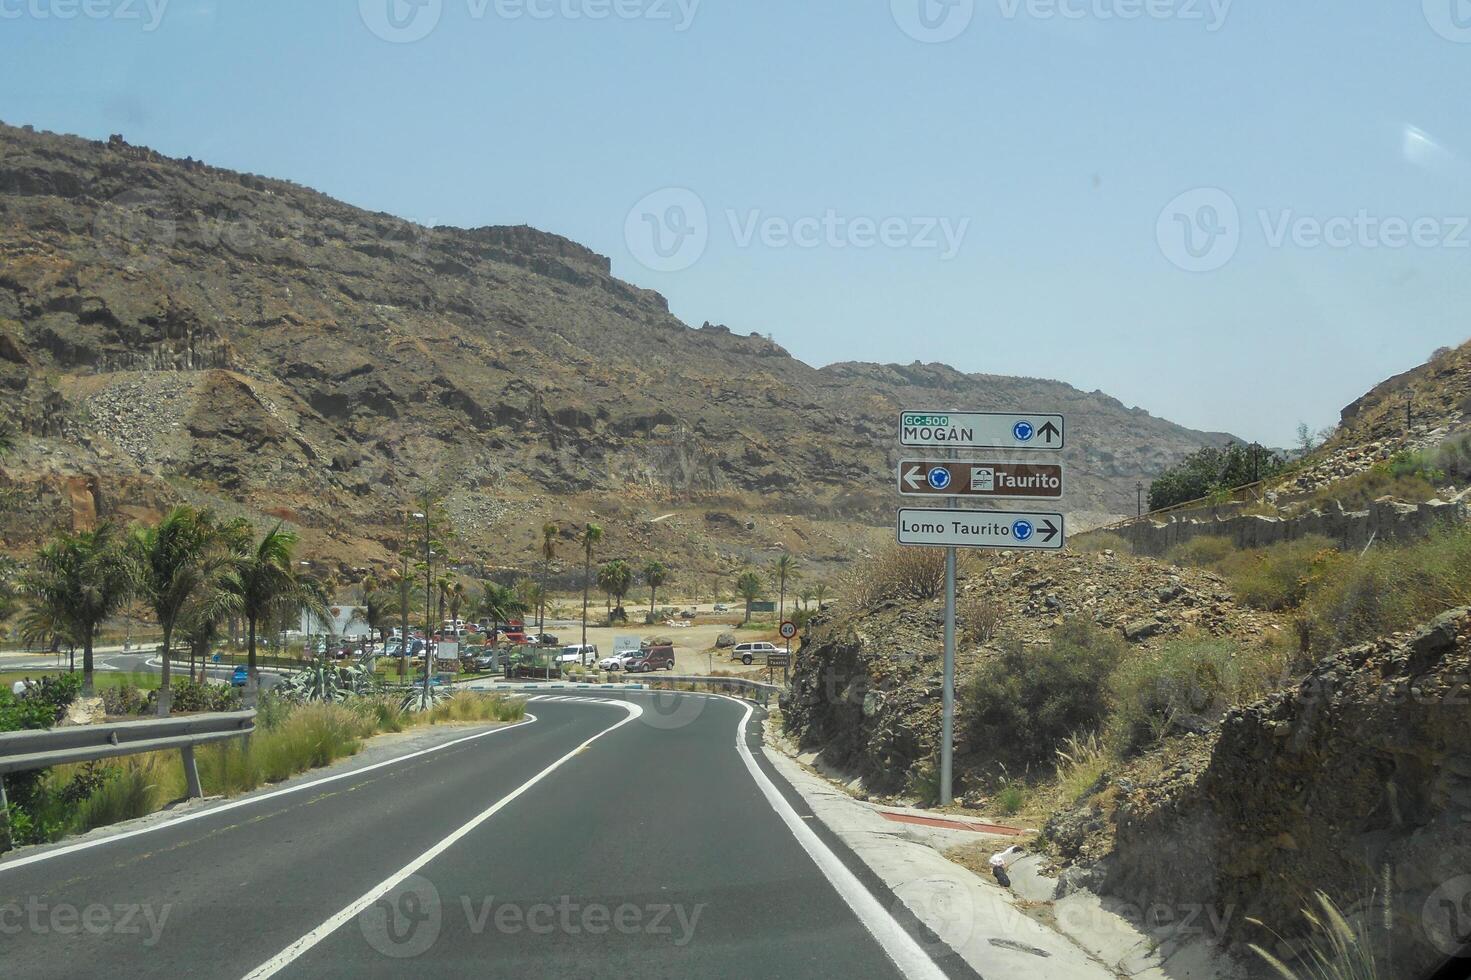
170	330
1435	395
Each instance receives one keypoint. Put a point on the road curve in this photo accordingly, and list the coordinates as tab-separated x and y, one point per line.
631	835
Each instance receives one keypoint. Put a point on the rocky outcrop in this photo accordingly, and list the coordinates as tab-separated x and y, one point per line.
1356	781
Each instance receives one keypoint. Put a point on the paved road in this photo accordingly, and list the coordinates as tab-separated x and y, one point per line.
628	837
117	661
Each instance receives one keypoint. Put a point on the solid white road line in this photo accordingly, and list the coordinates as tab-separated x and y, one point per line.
900	946
291	953
249	800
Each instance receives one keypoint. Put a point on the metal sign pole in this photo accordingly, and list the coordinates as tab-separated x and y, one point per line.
947	703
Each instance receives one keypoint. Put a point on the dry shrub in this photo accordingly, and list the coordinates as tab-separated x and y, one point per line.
979	616
898	572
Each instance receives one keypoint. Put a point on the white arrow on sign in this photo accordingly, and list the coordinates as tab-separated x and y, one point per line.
914	476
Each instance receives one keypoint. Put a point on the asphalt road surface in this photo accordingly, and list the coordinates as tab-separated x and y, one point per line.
635	836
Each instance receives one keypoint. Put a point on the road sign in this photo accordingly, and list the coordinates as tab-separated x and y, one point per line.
968	478
982	529
981	430
779	659
759	606
788	630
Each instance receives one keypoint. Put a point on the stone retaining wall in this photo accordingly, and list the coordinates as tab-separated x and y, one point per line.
1385	520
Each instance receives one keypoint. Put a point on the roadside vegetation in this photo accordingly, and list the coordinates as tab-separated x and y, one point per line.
291	738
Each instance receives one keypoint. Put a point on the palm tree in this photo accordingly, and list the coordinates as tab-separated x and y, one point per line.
78	582
456	599
615	578
499	603
805	597
442	586
786	568
592	535
532	597
201	622
265	579
178	561
549	532
749	587
655	575
820	594
379	610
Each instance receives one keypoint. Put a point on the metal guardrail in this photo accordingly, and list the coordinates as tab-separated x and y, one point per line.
756	689
27	750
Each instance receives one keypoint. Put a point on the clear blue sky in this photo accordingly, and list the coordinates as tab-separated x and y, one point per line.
1060	130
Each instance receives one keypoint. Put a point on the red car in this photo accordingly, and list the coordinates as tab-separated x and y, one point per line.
650	659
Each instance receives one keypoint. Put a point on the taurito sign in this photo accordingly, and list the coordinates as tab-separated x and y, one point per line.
982	529
965	478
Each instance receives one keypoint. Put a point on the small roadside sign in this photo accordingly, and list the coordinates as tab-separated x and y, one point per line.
788	630
780	658
760	606
1008	530
969	478
981	430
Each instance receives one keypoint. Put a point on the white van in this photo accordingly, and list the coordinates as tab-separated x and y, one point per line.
576	653
749	653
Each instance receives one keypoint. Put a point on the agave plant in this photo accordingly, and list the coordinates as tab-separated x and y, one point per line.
422	698
322	681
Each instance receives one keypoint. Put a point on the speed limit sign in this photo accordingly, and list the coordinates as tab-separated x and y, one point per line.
788	630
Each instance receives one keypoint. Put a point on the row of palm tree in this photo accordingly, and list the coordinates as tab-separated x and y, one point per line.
786	570
191	570
616	579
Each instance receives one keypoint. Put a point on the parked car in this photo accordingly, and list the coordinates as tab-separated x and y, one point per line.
240	677
615	662
650	659
749	653
721	607
687	614
543	639
576	653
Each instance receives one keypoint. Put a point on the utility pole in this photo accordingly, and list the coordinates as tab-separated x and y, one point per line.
403	602
1139	498
1409	413
428	605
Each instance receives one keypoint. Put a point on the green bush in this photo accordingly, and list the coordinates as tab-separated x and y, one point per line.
1282	576
1391	588
1453	458
124	700
1211	471
1202	552
1010	799
1020	706
1186	678
190	696
1359	491
128	793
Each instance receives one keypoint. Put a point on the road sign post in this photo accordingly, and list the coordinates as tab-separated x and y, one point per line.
788	630
954	528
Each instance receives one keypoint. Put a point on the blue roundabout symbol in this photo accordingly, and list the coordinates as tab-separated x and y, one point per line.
1023	431
939	479
1022	530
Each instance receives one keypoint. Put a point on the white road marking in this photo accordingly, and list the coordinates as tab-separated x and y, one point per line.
291	953
248	800
900	946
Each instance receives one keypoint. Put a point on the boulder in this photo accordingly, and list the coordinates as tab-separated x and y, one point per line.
726	641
